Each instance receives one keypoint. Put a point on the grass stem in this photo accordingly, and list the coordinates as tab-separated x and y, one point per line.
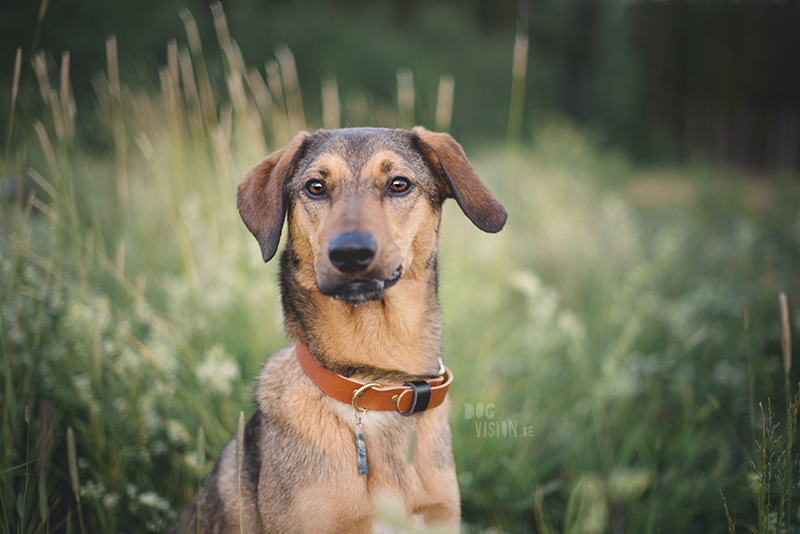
731	528
14	92
444	102
201	461
786	338
751	377
518	76
239	464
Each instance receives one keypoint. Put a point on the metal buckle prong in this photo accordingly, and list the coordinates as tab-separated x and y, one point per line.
360	391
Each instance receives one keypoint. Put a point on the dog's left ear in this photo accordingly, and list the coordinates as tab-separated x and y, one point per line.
260	196
447	158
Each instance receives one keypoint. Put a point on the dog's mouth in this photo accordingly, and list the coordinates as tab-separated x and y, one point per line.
361	291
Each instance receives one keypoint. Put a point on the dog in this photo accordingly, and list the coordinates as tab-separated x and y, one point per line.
358	279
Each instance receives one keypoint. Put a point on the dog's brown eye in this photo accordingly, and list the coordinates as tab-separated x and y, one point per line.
315	188
399	185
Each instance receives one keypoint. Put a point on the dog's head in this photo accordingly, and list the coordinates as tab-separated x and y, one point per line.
363	205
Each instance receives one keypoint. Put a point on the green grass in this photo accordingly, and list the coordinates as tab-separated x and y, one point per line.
604	322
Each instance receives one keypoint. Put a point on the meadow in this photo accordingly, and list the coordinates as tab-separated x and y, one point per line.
621	353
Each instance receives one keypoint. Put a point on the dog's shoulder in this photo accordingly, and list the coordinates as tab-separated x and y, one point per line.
293	405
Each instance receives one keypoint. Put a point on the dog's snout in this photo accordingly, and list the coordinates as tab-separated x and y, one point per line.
352	252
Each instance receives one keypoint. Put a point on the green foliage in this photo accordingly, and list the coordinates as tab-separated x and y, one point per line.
600	359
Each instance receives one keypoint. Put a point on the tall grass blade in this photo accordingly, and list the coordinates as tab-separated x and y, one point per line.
280	121
206	94
260	93
49	153
786	343
72	461
789	460
751	377
22	503
44	512
731	528
118	125
223	35
518	74
38	30
175	113
193	105
43	455
67	100
42	10
763	476
40	69
444	102
291	87
113	66
405	98
539	512
201	463
331	109
14	91
786	334
234	71
239	463
120	259
58	118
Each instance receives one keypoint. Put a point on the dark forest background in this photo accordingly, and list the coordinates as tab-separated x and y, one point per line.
663	80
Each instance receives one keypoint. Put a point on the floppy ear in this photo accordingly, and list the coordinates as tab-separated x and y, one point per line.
260	196
448	159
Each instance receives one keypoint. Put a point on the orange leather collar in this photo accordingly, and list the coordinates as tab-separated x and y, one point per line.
382	397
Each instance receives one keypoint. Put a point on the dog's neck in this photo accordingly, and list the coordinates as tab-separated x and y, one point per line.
394	339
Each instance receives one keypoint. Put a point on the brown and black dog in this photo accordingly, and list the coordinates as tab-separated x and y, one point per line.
358	282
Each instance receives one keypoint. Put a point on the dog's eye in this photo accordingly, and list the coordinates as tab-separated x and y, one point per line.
315	188
399	185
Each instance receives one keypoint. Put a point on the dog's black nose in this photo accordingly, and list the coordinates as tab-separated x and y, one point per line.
352	252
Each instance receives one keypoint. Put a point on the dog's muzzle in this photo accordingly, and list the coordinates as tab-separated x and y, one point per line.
361	291
354	256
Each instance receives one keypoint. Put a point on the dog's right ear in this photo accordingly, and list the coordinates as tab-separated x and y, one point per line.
260	195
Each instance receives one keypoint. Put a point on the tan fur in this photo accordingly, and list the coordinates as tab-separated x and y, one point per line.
300	471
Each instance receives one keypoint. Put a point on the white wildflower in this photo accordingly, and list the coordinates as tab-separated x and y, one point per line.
156	525
87	322
191	460
148	412
83	387
92	489
218	370
163	347
177	433
129	361
131	490
152	499
526	282
159	448
110	500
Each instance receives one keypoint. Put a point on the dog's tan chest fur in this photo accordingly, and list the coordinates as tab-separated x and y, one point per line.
328	428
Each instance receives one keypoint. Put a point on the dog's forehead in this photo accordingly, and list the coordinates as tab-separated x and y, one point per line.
356	148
